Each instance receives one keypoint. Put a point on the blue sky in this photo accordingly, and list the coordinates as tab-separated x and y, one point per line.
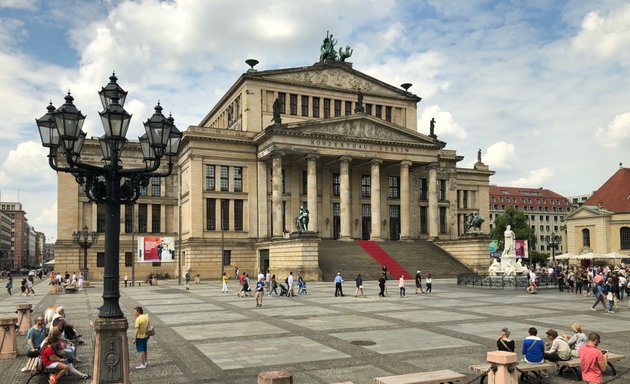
542	87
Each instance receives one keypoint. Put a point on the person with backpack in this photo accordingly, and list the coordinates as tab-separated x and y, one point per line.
598	292
610	293
274	286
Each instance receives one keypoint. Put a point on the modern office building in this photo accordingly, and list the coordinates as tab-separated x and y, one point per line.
20	232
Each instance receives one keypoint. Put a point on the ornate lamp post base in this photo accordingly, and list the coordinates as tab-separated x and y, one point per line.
111	352
85	272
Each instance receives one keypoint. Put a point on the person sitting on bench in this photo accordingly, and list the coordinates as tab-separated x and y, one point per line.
50	359
533	347
35	337
559	350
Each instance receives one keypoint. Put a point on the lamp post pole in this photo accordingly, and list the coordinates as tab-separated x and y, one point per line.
111	185
85	239
553	241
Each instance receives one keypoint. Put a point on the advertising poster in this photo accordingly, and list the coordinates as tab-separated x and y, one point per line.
153	249
520	248
494	249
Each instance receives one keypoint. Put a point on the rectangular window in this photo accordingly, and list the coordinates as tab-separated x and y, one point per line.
225	178
128	259
282	101
304	182
326	108
128	218
225	214
100	217
442	219
388	114
155	186
337	108
394	187
143	190
379	111
238	215
465	199
442	191
156	218
100	259
424	229
347	110
424	188
336	184
315	106
284	216
210	178
542	228
238	179
305	106
143	214
366	185
293	104
227	257
211	214
368	109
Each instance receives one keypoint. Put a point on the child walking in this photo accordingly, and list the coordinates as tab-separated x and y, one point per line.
429	284
401	285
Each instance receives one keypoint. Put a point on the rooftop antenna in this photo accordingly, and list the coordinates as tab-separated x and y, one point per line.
406	86
252	63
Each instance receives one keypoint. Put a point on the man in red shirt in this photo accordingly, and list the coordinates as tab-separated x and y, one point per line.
593	361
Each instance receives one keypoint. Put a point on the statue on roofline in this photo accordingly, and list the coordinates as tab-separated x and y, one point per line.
328	51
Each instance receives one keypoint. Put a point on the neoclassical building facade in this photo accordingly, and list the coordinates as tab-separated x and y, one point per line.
328	138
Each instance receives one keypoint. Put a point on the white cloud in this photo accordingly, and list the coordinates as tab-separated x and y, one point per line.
605	36
535	178
500	155
445	125
19	4
617	132
26	167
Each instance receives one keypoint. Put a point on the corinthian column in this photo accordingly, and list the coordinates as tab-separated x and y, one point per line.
375	199
311	193
276	194
404	199
344	181
433	204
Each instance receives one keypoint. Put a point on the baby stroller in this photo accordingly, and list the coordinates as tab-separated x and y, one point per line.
302	289
283	289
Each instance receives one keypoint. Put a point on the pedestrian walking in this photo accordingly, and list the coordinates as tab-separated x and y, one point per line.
126	278
141	338
260	291
224	280
274	286
9	285
418	282
80	281
187	278
359	283
401	285
381	285
599	293
338	284
429	284
289	282
29	286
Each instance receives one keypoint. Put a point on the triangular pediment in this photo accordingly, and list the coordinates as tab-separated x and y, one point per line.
337	76
586	212
360	127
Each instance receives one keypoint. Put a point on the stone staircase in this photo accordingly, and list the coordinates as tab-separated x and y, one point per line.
349	258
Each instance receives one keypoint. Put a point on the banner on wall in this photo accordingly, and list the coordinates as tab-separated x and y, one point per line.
521	248
153	249
494	249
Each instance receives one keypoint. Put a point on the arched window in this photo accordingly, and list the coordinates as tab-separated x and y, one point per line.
624	235
586	237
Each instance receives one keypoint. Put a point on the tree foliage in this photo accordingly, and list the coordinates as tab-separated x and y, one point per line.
519	224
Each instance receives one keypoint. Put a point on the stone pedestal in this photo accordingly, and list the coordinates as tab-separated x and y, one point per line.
508	260
111	352
8	334
275	377
505	363
298	253
472	250
52	289
24	317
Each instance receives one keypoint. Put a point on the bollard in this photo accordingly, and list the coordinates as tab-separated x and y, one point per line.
502	367
275	377
24	318
8	337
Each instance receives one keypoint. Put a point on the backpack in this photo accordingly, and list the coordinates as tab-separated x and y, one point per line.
605	289
286	280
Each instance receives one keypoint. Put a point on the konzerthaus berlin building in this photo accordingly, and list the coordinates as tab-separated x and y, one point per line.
344	145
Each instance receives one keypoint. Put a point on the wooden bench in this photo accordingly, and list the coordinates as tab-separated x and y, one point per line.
524	368
575	365
31	368
434	377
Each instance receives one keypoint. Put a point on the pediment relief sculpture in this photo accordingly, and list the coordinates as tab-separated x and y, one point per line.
363	129
334	77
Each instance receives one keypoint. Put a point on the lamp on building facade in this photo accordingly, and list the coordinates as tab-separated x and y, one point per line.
85	239
553	241
111	185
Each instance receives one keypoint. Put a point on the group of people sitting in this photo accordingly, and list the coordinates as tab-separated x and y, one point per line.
53	338
66	280
561	348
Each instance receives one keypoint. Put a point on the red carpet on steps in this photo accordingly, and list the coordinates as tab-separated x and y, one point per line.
382	258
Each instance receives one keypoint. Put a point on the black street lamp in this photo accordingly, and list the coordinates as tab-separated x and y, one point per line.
85	239
553	241
111	185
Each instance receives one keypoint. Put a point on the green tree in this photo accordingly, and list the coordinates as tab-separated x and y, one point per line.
519	224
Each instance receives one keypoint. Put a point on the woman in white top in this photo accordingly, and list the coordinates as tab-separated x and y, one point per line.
577	340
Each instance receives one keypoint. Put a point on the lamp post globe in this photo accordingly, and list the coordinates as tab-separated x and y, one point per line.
109	184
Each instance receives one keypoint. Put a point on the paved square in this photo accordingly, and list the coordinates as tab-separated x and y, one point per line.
200	317
224	330
166	308
597	322
325	323
510	310
403	340
261	352
491	330
430	316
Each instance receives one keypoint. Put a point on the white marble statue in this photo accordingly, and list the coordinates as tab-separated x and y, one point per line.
509	270
494	268
508	236
519	267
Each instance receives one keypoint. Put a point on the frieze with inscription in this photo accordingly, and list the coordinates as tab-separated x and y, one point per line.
358	146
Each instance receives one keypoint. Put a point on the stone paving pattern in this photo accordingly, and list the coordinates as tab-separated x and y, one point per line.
204	336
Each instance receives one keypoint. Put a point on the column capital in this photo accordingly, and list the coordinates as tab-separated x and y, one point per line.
345	159
276	154
376	161
405	163
312	156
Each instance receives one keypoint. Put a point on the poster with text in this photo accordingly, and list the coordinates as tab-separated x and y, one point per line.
494	249
153	249
520	248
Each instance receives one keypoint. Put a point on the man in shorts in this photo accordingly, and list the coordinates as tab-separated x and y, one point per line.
141	339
